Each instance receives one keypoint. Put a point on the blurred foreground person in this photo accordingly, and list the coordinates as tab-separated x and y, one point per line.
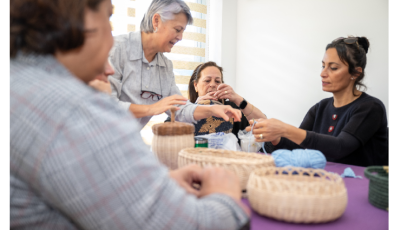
77	161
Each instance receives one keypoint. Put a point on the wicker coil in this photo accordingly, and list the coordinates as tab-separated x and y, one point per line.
241	163
378	186
297	195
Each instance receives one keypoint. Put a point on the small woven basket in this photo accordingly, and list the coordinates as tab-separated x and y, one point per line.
378	186
169	138
241	163
297	195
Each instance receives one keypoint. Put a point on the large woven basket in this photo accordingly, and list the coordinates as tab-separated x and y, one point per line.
297	195
241	163
378	186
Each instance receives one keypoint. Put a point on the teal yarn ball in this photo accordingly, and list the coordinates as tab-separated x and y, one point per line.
306	158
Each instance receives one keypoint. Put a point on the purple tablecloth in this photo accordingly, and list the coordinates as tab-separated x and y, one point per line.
359	213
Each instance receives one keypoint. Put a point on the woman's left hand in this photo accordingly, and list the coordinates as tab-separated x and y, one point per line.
266	130
186	176
225	91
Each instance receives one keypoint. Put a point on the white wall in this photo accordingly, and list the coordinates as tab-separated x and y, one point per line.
280	45
229	41
222	37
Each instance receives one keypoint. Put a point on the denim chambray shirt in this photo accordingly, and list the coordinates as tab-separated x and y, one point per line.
133	73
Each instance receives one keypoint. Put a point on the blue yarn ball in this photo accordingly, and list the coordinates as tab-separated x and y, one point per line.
306	158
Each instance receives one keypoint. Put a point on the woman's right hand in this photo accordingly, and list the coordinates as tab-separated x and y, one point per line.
208	96
225	112
271	130
165	104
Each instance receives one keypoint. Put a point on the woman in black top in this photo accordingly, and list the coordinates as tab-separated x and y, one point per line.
351	126
207	83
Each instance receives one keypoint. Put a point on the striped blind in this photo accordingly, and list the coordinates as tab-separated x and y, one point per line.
185	55
123	18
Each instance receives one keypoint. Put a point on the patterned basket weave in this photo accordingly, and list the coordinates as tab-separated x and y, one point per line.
298	195
378	186
241	163
212	124
170	138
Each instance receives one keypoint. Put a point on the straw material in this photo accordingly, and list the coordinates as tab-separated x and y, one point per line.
241	163
310	196
378	186
166	148
173	129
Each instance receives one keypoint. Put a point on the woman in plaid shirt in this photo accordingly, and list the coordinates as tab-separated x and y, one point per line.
77	161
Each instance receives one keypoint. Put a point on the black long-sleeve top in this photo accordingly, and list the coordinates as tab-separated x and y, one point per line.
355	134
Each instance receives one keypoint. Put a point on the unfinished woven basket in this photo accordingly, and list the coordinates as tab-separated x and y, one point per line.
241	163
169	138
297	195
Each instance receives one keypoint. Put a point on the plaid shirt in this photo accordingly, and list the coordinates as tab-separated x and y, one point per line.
78	162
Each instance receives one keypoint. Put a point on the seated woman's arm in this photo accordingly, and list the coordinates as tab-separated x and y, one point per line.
250	111
332	147
297	135
364	122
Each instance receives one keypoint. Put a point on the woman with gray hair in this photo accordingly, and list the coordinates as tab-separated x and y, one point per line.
144	81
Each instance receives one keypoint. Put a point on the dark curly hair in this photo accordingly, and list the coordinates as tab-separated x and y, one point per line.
193	95
44	26
354	55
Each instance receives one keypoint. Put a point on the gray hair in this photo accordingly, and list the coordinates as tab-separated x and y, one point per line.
166	9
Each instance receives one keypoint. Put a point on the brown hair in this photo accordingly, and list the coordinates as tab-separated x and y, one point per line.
44	26
193	95
354	56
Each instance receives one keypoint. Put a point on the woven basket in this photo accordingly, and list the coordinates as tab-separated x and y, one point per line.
241	163
298	195
169	138
378	186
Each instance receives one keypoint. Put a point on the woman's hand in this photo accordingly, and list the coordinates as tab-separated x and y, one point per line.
165	104
188	175
225	112
271	129
225	91
208	96
220	180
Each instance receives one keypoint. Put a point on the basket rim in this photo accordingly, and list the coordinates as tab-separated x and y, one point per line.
255	159
333	177
368	173
335	181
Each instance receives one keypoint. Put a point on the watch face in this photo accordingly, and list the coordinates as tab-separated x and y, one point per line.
243	104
